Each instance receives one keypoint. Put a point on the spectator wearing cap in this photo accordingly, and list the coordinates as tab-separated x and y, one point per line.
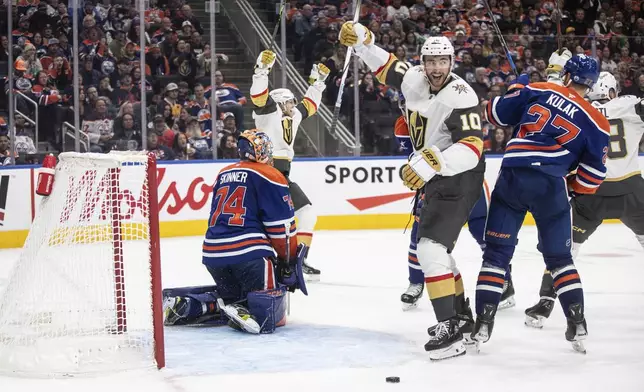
130	53
186	30
27	64
156	64
64	27
166	135
229	98
48	34
326	48
230	127
171	99
160	151
186	15
23	29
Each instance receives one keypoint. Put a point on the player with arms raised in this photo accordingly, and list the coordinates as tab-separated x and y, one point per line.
555	132
621	195
278	114
251	222
448	164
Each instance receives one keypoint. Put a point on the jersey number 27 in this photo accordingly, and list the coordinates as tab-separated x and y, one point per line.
569	131
232	205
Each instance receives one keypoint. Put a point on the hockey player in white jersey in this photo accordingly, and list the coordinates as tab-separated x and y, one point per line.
279	115
620	196
445	131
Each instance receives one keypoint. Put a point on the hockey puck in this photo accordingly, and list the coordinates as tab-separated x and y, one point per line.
393	379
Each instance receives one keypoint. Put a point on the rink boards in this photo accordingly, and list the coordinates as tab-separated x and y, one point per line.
347	194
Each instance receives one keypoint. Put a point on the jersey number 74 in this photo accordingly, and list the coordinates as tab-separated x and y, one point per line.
232	205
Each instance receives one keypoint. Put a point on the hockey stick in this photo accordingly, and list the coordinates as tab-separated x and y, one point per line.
345	71
503	43
559	37
277	25
287	229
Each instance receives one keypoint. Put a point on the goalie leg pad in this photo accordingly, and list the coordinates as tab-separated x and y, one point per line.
268	307
191	305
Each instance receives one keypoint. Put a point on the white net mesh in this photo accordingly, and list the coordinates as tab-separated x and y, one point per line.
80	297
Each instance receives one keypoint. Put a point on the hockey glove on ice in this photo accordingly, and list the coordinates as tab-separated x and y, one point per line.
422	166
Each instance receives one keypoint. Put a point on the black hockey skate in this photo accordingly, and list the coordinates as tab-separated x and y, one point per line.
536	315
466	323
507	297
577	331
484	325
410	297
175	310
445	340
310	274
240	319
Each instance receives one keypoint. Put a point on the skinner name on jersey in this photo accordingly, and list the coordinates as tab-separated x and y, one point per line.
234	176
558	102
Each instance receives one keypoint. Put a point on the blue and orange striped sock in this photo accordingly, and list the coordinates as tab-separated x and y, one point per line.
568	287
489	286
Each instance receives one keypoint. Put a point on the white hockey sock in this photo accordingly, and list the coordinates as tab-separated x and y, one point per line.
306	219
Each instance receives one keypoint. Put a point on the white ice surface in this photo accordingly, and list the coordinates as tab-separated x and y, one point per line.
350	333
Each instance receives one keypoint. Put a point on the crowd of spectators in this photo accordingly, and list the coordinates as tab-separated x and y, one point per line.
612	30
178	64
177	80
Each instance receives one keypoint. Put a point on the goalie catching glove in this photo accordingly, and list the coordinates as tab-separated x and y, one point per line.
265	62
290	274
422	166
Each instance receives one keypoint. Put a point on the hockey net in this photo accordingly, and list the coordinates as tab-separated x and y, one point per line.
84	296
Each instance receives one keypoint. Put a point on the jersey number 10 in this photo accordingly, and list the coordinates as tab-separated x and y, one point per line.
230	205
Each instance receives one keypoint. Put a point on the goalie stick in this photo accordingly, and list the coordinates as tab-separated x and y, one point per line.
347	62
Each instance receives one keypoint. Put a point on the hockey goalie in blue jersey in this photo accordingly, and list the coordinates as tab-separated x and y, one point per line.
555	132
250	249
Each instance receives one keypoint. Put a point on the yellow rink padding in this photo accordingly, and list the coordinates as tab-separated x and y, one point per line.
16	238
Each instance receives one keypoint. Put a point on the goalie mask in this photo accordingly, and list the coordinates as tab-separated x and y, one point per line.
283	96
601	89
254	145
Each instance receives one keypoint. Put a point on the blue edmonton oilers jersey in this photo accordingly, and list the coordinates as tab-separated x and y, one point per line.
555	131
251	210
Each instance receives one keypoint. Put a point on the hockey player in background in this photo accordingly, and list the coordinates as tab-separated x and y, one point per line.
475	224
555	131
278	114
251	220
448	164
620	196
